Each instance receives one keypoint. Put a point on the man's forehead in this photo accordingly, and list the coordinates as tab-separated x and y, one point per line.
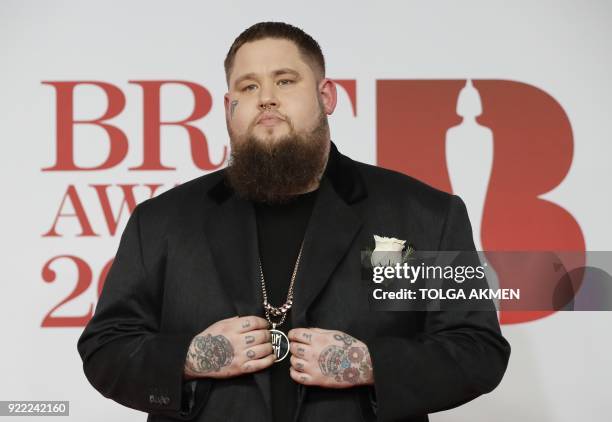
266	56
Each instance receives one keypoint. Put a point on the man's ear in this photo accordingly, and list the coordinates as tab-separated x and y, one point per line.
329	95
226	103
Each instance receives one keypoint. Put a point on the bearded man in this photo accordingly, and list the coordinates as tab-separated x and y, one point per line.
237	296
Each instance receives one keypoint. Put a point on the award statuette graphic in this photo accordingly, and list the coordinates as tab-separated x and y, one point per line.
280	343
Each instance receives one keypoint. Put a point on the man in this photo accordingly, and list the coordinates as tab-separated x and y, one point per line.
210	276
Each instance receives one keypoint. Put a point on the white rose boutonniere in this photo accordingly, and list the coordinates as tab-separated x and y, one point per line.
388	251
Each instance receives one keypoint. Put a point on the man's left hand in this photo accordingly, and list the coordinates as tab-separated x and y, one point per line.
329	358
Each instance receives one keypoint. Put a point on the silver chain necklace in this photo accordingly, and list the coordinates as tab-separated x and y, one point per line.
280	342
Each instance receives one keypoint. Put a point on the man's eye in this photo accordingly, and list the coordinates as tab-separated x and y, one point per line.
285	82
249	87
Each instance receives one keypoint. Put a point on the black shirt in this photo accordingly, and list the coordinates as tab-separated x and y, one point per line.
280	231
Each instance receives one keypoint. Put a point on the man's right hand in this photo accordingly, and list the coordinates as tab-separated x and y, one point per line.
229	348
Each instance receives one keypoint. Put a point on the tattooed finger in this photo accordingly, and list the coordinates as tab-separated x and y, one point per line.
258	351
301	335
299	377
299	350
257	337
298	364
258	364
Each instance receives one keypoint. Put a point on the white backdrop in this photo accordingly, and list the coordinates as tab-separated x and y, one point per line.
560	366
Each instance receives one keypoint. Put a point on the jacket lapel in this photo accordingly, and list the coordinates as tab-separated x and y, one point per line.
232	233
332	227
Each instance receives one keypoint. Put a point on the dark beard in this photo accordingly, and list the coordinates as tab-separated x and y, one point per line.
276	171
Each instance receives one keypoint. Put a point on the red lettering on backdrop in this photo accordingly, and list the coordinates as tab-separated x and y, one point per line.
79	213
112	222
118	149
412	119
152	126
533	151
84	277
64	122
350	86
532	154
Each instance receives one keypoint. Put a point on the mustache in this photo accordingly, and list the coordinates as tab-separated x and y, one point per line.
267	113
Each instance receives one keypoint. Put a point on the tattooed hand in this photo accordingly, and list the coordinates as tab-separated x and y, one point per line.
229	348
329	359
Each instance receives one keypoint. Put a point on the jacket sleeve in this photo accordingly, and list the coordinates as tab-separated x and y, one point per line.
459	355
125	356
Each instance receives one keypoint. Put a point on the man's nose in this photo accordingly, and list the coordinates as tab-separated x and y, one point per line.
267	98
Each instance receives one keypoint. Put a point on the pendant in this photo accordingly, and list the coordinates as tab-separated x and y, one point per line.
280	343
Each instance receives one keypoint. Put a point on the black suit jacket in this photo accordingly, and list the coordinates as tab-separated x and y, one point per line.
188	258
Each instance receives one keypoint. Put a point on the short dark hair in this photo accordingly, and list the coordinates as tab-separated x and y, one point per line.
308	47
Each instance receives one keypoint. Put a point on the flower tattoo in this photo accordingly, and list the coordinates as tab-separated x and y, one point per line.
346	362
